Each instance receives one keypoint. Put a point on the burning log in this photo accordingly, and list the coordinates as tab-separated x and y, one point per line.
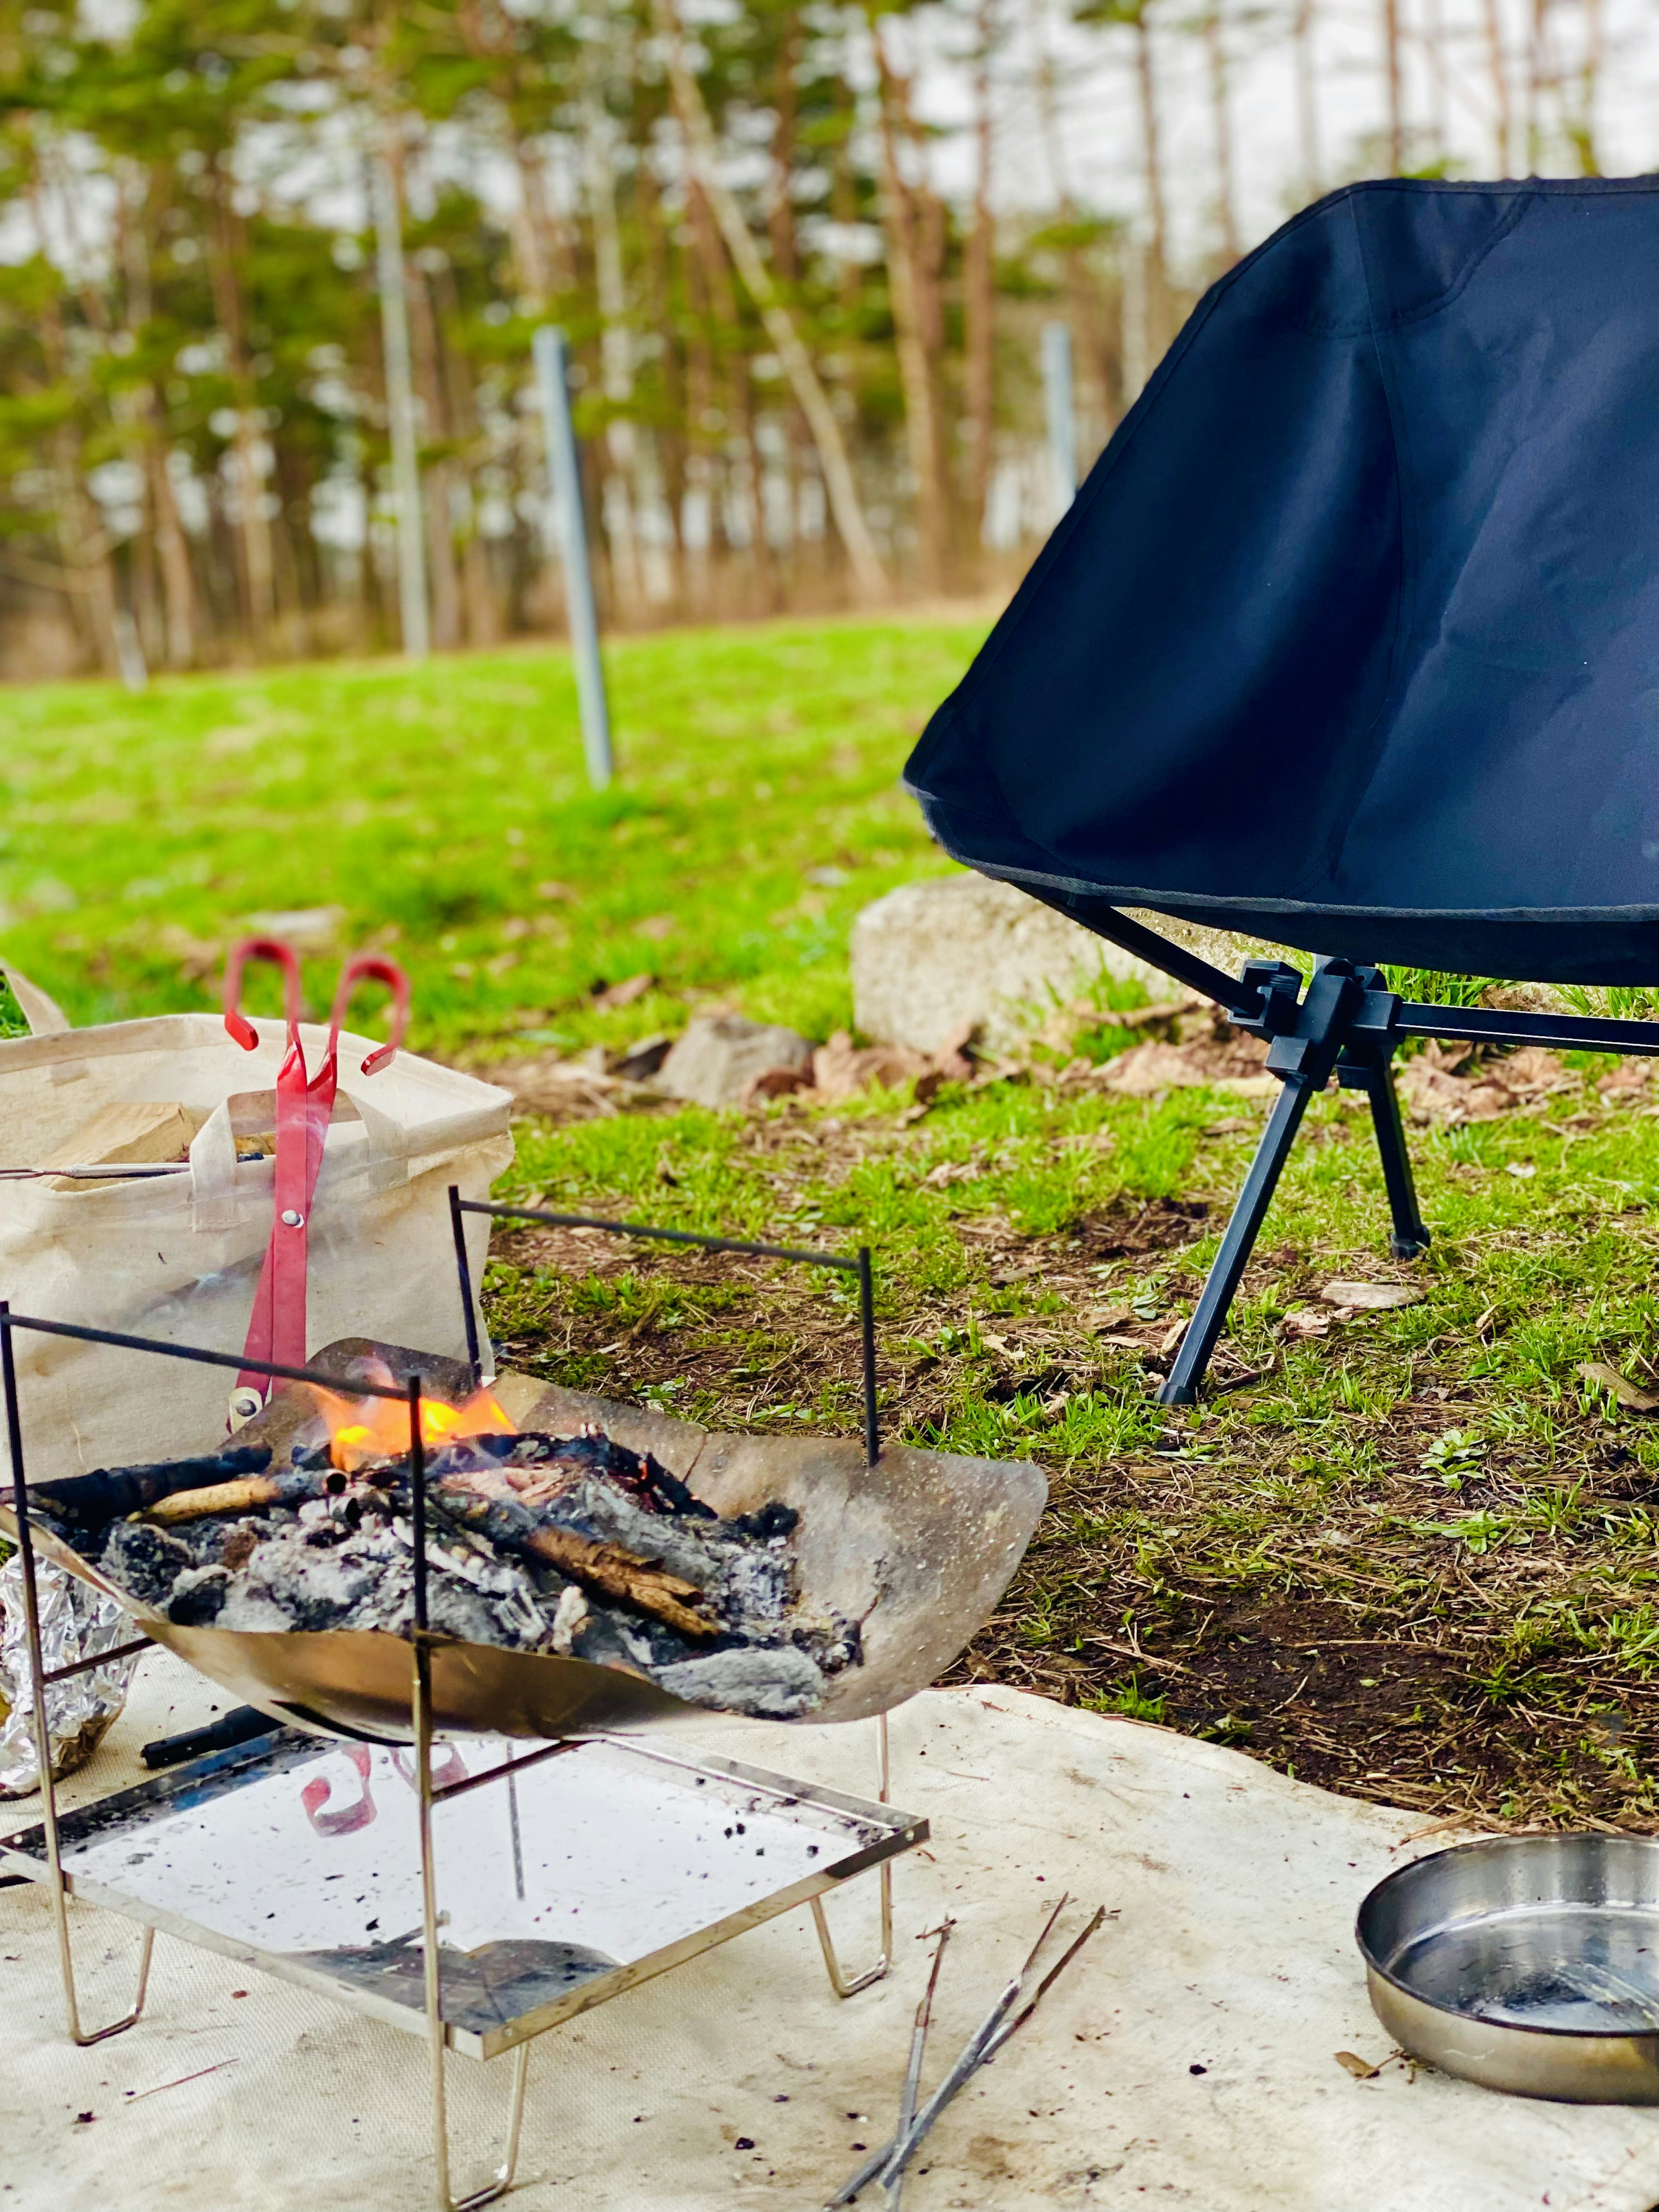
245	1495
94	1500
604	1567
574	1547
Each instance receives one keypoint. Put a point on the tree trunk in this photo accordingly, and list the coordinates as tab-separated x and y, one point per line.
1221	113
907	284
1391	71
780	211
228	255
854	529
1498	63
616	368
1582	126
1157	264
979	283
1307	99
426	339
172	550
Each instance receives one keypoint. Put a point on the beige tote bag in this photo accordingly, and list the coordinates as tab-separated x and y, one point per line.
178	1255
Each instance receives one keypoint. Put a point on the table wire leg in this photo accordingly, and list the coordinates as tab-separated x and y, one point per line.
841	1981
55	1880
501	2180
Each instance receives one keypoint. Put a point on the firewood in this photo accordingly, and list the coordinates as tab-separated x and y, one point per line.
112	1493
619	1574
472	1501
244	1496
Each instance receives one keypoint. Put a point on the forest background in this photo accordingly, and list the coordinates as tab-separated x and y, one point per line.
804	253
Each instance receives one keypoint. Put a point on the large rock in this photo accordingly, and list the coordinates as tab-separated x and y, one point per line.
933	957
720	1054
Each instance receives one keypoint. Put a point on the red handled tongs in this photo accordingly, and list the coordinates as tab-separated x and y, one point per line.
305	1107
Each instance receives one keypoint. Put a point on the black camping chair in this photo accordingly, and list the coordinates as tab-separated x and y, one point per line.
1351	641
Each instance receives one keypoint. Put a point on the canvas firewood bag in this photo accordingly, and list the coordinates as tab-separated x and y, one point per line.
178	1256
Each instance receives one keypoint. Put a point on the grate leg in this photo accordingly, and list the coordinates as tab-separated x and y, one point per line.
1193	1354
39	1681
437	2040
844	1984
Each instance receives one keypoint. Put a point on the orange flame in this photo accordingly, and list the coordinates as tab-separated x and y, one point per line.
362	1428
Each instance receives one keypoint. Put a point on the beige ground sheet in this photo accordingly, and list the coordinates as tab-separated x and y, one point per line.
739	2079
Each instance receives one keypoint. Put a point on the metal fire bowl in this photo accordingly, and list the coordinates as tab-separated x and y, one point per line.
919	1549
1528	1964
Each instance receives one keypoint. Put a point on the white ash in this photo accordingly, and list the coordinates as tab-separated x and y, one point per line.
344	1560
772	1685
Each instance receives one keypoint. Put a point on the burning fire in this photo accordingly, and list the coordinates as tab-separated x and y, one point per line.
378	1428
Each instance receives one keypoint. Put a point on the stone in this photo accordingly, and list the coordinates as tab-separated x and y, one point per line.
720	1054
962	952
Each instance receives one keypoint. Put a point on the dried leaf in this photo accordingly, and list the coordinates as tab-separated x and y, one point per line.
625	993
1304	1321
1361	2070
1371	1297
1609	1378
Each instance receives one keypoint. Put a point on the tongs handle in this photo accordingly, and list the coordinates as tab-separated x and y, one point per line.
371	967
283	956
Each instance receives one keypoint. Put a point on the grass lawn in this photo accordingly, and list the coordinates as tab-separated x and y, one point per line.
1414	1559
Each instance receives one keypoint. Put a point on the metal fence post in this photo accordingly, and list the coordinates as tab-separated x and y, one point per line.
551	357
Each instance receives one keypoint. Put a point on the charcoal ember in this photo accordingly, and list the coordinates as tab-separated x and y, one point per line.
638	1475
145	1562
655	1643
198	1597
832	1645
769	1521
768	1685
568	1615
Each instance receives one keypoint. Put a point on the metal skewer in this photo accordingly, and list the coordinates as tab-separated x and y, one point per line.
879	2164
878	2157
987	2038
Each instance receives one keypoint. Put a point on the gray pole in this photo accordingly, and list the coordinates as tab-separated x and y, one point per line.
551	357
1062	415
400	411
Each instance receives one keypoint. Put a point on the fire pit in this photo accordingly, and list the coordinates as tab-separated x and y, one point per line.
859	1585
796	1578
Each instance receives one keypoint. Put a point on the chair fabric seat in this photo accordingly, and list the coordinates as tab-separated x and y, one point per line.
1351	640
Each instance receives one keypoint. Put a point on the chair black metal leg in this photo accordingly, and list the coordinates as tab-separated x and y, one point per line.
1192	1355
1410	1237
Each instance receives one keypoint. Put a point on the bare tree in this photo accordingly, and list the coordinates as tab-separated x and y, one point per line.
979	275
1221	116
1307	99
702	156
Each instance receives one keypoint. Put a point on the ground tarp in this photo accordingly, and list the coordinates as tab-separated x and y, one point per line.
1187	2060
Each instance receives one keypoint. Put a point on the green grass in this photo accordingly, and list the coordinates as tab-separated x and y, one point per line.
445	810
1414	1558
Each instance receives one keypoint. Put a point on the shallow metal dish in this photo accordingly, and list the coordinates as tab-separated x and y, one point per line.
1529	1964
919	1549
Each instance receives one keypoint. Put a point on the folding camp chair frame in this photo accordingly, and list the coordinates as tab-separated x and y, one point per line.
1348	1023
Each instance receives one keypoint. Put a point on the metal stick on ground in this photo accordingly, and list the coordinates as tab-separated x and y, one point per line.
972	2057
1045	1985
863	2175
913	2072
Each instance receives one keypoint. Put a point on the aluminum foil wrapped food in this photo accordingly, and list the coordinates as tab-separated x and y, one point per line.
77	1622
